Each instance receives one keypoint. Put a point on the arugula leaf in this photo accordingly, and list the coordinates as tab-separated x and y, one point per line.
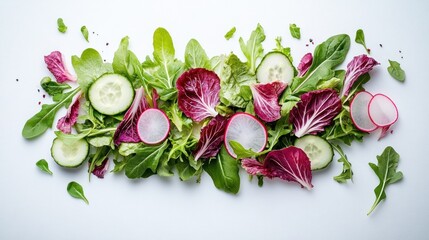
252	49
360	38
75	190
386	173
61	26
347	172
146	158
295	31
224	172
84	32
281	128
43	165
52	87
326	56
41	121
396	71
126	63
343	129
195	56
89	67
230	33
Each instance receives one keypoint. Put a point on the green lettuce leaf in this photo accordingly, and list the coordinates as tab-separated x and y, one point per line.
195	56
253	49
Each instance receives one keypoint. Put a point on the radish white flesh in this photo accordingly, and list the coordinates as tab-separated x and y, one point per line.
359	112
246	130
153	126
382	111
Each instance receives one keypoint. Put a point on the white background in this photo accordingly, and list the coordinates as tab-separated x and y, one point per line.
34	205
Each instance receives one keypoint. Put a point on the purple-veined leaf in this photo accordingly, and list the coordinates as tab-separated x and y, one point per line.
315	111
265	100
57	67
198	93
358	66
66	123
211	138
305	64
101	170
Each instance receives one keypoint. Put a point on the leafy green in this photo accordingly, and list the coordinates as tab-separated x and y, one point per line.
101	141
386	173
187	169
52	87
242	152
146	158
230	33
126	63
41	121
326	56
43	165
235	86
89	67
284	50
224	172
163	71
75	190
360	38
295	31
61	26
195	56
396	71
85	32
281	129
96	159
343	129
252	49
347	172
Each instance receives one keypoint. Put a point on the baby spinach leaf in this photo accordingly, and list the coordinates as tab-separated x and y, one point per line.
41	121
195	56
347	173
360	38
61	26
396	71
84	32
295	31
52	87
386	173
146	158
43	165
252	49
326	57
230	33
75	190
224	172
89	67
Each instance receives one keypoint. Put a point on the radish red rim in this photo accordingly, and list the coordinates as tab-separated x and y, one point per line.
228	146
371	106
353	118
140	128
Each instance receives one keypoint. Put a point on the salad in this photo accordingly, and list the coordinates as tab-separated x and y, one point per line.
169	116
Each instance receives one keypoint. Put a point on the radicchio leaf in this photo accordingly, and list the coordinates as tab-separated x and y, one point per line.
305	64
290	164
56	66
211	138
101	170
198	93
265	100
127	128
65	123
357	67
315	111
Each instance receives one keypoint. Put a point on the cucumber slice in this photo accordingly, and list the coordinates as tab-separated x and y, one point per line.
111	94
69	153
275	66
318	150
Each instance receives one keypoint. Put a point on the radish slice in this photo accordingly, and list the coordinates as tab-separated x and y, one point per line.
246	130
382	111
359	112
153	126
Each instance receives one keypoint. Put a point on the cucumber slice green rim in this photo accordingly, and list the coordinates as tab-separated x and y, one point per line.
318	150
69	153
275	66
111	94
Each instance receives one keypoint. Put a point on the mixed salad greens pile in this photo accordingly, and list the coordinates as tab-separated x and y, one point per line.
164	116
